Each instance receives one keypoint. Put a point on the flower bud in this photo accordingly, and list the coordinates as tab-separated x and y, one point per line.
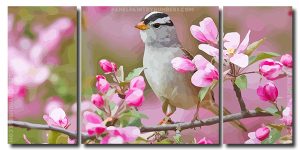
268	92
102	84
107	66
138	82
182	64
270	69
262	133
134	97
97	100
287	60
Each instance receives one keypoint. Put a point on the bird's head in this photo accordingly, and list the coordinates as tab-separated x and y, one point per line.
157	28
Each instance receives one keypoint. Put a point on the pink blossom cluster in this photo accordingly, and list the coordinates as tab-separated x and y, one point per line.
29	59
287	114
205	73
272	70
123	97
134	95
258	136
113	135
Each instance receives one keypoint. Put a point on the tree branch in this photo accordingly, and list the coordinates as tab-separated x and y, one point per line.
238	94
29	126
180	126
205	122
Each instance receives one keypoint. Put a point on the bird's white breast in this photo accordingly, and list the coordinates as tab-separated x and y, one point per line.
165	81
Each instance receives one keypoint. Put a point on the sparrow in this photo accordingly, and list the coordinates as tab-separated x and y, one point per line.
174	89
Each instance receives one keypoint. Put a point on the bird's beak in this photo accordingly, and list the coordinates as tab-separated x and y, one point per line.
142	26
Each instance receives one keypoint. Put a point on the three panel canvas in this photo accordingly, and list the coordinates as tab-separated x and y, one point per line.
150	75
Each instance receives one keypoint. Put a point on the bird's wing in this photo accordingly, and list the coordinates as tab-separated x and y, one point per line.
187	53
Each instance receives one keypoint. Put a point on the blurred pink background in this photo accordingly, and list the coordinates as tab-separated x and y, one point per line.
274	23
108	32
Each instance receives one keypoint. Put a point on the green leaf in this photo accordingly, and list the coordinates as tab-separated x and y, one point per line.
241	81
202	93
261	56
136	122
134	73
62	139
120	74
273	137
52	136
253	46
132	118
273	111
178	139
287	139
258	109
164	141
279	127
140	140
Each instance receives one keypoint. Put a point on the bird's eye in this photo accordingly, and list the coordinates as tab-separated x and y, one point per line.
156	25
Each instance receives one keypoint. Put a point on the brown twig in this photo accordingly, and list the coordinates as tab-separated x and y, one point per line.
238	94
29	125
182	126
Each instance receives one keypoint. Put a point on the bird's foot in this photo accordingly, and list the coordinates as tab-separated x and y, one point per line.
166	120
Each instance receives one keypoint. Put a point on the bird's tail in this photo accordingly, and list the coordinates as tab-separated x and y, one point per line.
213	107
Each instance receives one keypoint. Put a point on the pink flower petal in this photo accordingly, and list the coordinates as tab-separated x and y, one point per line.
138	82
182	65
92	117
200	62
240	60
244	43
199	79
134	97
212	51
209	29
197	34
231	40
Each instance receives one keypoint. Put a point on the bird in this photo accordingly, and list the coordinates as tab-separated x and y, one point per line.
174	89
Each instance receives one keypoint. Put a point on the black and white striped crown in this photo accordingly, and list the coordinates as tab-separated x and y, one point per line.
156	17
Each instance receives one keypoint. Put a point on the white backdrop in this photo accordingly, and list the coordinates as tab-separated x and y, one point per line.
78	3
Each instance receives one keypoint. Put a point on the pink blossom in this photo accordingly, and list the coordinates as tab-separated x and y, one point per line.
24	71
120	135
107	66
205	141
102	84
50	39
262	133
15	91
206	73
57	117
53	103
270	69
210	50
287	114
116	99
206	32
182	64
97	100
71	141
138	82
26	139
252	139
65	26
259	135
235	48
134	97
287	60
268	92
94	125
